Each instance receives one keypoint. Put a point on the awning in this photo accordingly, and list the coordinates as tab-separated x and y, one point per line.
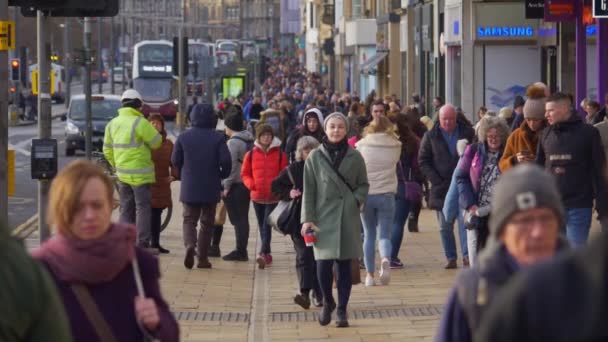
371	64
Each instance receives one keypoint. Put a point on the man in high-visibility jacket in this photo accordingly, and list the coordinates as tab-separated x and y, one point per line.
128	141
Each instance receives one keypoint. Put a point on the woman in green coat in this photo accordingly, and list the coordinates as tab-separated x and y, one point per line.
335	187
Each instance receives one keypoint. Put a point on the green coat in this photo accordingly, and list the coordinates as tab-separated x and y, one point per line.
332	206
30	307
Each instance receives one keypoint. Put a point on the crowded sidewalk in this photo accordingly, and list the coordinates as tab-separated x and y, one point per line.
236	301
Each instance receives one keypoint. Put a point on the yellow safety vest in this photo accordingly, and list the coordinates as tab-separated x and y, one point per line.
127	143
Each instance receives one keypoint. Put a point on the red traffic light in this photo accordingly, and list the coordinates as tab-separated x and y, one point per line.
13	89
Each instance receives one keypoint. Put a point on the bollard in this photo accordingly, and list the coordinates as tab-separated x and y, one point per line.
13	115
11	172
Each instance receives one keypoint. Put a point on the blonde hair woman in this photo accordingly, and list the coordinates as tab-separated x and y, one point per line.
95	263
381	150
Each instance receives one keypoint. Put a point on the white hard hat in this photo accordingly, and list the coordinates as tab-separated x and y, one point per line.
131	94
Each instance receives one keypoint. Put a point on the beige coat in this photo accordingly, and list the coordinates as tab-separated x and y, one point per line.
603	128
381	153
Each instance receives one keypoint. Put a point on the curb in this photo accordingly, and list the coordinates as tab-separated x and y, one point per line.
30	123
26	229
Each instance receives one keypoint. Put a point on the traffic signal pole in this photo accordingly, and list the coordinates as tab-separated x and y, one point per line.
3	123
44	114
87	88
182	70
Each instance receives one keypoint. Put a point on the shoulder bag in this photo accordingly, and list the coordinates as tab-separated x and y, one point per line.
280	215
413	190
95	317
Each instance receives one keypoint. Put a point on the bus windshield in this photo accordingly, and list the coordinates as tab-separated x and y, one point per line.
154	89
156	53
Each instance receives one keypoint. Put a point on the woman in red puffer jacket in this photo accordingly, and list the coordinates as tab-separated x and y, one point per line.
260	166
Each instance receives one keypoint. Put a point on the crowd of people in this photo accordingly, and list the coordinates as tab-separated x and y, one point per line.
521	184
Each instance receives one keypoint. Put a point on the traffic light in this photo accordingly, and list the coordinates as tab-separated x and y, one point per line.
15	70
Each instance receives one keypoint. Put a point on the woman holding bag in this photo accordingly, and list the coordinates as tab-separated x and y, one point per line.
335	188
288	186
96	266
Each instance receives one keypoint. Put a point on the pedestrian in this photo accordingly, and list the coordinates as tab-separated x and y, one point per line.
127	144
572	151
165	174
524	230
354	117
522	143
311	126
260	166
506	113
189	109
476	175
593	112
25	285
437	159
518	112
335	188
256	109
201	171
408	171
288	186
381	150
560	300
437	104
235	193
604	112
96	266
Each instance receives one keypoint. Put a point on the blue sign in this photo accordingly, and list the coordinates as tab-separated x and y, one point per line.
456	27
591	30
505	31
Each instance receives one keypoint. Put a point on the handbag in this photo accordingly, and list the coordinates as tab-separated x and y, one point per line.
220	214
413	190
280	215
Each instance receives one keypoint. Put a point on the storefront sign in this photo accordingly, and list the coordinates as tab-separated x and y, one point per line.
535	9
505	31
600	8
560	10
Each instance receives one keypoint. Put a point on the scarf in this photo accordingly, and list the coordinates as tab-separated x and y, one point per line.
336	151
89	261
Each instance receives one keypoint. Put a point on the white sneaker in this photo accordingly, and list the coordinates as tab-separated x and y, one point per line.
369	280
385	272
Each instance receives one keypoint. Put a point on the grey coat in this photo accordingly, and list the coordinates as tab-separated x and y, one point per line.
238	149
332	206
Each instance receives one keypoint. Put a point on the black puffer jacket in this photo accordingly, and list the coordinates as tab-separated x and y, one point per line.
572	151
436	162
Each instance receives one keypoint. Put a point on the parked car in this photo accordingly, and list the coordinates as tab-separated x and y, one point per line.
95	76
103	109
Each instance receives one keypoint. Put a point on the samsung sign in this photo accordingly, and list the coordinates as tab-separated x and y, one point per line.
505	31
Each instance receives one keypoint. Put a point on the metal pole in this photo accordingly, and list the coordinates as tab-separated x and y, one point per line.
67	61
4	123
181	81
44	113
123	55
87	86
112	50
99	58
601	58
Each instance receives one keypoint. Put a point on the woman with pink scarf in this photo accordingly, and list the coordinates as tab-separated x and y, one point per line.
109	287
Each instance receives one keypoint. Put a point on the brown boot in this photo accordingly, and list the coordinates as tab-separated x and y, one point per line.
451	265
203	263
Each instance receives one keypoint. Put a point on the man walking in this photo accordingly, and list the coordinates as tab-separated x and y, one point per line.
572	151
236	194
203	159
128	141
437	160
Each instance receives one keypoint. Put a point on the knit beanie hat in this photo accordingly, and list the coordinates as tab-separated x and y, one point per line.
263	128
335	115
526	186
534	108
234	120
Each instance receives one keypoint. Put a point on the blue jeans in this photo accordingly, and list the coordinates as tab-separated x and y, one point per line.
377	217
402	209
448	241
261	212
578	222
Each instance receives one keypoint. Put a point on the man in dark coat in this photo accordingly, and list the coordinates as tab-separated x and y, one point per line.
562	301
203	159
437	160
572	151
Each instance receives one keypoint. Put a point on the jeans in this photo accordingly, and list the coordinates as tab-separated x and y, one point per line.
578	223
261	212
192	214
448	241
306	266
377	218
135	208
237	207
402	210
343	280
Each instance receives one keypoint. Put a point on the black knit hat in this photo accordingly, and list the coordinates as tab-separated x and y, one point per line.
234	120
